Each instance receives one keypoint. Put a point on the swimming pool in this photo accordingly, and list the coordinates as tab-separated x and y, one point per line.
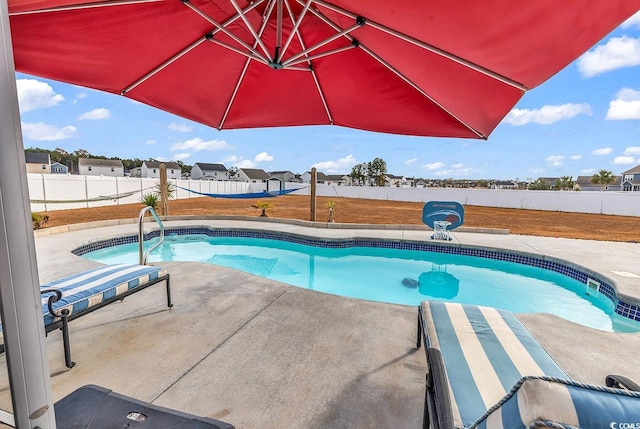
385	272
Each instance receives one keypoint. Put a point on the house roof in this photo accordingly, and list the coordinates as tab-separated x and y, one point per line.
36	157
156	164
280	172
210	167
255	173
57	163
586	181
100	162
634	170
336	177
393	176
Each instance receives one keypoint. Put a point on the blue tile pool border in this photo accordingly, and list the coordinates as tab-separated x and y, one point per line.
627	310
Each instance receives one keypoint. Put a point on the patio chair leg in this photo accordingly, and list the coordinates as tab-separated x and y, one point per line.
425	412
65	340
419	336
169	303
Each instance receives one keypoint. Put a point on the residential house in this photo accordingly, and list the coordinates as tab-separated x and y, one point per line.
320	177
204	171
551	180
338	179
285	176
395	181
151	169
100	167
251	175
37	162
134	172
504	184
631	179
584	184
57	168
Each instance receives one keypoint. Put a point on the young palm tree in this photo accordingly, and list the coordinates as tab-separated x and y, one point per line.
264	206
603	178
331	205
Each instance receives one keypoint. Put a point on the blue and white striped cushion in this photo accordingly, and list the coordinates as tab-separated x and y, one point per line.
89	288
485	352
548	402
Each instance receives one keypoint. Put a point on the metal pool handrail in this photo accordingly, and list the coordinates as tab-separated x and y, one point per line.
144	256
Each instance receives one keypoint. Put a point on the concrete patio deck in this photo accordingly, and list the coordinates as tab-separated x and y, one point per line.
261	354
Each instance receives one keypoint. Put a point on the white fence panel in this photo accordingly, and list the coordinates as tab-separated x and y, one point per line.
80	190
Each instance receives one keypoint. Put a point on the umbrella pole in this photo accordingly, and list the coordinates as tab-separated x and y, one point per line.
314	182
20	305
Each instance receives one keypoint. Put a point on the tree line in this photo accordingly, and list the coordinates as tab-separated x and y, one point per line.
603	178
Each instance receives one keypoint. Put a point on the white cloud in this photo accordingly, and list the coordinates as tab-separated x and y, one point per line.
624	160
339	166
411	161
232	159
197	144
588	171
43	132
632	151
555	160
625	106
181	128
457	166
95	114
547	114
434	166
150	142
536	170
602	151
80	96
633	21
34	94
262	157
575	157
616	53
182	155
246	163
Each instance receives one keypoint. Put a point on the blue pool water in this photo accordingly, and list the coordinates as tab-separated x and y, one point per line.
391	275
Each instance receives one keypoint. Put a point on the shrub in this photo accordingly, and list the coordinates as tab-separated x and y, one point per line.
39	220
150	200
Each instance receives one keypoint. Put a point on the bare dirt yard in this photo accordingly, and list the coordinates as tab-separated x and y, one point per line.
350	210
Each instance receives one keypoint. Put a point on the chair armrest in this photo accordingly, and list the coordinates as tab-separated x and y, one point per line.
57	296
439	402
621	382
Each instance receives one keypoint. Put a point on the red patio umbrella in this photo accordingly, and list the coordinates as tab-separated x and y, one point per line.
431	68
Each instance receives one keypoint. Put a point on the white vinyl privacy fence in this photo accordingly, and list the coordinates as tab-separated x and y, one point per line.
60	192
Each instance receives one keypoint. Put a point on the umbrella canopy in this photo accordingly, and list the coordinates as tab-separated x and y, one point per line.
449	68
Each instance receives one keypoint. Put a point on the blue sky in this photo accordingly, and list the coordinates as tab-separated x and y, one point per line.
585	118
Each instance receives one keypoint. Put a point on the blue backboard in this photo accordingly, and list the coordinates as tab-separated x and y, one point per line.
449	211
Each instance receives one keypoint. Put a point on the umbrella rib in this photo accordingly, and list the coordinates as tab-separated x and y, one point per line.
428	47
313	72
290	63
296	25
163	65
250	28
83	6
168	62
397	73
342	32
420	90
222	28
266	14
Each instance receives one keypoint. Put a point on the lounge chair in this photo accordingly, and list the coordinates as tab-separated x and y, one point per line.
486	370
72	297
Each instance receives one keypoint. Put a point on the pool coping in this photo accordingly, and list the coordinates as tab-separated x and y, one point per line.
625	305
